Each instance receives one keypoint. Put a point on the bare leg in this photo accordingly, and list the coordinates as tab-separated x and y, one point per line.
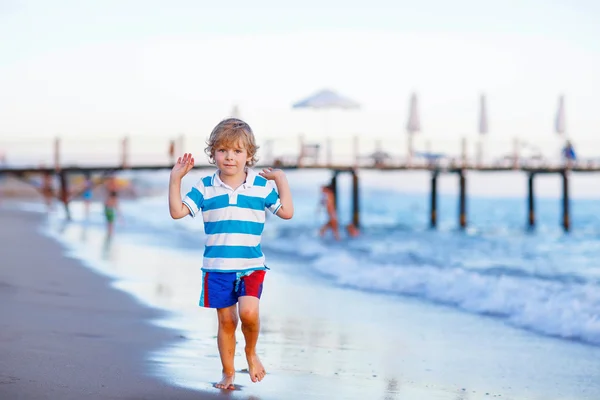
335	229
323	229
336	234
226	341
250	328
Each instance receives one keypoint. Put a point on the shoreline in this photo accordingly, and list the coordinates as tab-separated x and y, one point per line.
65	333
318	340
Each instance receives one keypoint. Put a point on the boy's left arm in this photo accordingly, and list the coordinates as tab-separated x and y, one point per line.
286	211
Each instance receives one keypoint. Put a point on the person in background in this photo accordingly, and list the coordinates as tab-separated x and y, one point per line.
47	189
569	153
232	202
328	201
111	203
352	230
86	194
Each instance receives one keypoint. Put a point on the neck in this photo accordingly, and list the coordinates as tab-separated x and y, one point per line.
233	181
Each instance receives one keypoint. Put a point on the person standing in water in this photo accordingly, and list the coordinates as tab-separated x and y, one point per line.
111	203
47	189
232	202
87	193
328	201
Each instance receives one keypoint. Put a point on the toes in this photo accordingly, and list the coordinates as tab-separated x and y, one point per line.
258	376
231	386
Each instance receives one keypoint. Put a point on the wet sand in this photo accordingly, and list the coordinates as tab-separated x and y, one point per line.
64	332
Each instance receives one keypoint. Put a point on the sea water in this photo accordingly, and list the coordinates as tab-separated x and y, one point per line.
538	288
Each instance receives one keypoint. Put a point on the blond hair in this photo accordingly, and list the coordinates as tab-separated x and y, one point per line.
230	133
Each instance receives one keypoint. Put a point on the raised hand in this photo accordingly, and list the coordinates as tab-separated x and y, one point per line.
183	166
271	173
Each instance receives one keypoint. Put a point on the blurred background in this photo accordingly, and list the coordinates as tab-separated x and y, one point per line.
93	73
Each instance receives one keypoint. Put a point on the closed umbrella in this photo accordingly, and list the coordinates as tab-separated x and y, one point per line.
413	125
560	122
235	112
483	127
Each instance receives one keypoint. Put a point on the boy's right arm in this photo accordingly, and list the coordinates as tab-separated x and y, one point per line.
176	207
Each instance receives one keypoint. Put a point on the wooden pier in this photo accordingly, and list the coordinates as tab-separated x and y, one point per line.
455	166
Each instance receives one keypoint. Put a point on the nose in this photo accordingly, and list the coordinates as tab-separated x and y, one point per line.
229	155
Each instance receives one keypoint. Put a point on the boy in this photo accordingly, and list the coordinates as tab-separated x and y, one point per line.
233	202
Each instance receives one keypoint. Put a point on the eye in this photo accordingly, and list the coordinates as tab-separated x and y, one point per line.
221	150
238	151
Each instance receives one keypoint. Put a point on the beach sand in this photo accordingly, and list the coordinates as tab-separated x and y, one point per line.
64	332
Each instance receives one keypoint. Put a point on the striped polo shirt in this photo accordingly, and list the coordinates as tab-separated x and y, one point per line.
233	220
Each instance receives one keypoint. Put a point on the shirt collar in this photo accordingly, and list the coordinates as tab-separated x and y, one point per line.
250	177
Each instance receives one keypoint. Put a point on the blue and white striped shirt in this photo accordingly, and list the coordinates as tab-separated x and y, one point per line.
233	220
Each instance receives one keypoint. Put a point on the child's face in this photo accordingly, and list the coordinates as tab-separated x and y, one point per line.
231	159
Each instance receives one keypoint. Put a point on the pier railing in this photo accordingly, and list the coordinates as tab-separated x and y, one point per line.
367	151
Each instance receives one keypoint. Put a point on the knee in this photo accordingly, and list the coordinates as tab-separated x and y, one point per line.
228	324
249	317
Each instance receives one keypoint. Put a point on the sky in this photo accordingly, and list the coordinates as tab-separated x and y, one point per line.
90	69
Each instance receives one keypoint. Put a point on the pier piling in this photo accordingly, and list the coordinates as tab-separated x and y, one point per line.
64	193
565	218
531	201
355	200
462	200
433	214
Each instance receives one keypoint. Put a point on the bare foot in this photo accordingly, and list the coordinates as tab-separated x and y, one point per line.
226	382
255	368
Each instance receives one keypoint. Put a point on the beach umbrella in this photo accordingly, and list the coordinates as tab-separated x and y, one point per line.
560	122
413	125
326	99
235	112
483	127
483	118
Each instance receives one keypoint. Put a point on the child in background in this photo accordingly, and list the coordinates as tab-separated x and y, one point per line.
86	195
332	223
232	201
111	203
